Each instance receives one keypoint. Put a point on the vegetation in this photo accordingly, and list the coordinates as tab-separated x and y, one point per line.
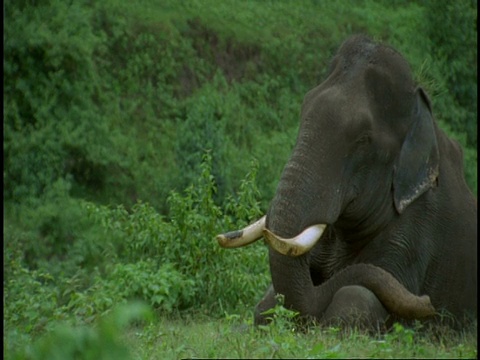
135	132
131	332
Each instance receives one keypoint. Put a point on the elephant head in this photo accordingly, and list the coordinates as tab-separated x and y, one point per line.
365	130
366	152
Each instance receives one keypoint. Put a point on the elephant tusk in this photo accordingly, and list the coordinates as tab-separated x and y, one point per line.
243	237
298	245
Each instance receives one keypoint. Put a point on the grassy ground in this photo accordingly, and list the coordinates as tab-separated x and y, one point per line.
236	339
134	332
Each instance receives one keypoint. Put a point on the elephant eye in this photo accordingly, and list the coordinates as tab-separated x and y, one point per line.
365	139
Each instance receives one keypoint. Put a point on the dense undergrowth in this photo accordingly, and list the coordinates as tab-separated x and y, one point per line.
135	132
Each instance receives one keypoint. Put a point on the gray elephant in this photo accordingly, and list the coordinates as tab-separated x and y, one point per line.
372	209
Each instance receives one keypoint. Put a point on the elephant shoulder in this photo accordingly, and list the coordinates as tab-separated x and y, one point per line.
452	164
452	150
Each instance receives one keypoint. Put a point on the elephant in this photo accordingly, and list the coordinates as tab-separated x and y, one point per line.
372	214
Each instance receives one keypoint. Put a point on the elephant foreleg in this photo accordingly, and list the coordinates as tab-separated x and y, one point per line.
268	301
355	305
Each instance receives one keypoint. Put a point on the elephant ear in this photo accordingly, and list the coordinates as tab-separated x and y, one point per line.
416	169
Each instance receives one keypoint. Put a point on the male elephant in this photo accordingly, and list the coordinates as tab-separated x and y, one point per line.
372	209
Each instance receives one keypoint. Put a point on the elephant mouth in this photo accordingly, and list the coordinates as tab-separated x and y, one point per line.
294	246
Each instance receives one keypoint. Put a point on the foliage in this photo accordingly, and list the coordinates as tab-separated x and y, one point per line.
131	332
138	254
50	83
279	316
187	243
120	101
104	341
450	32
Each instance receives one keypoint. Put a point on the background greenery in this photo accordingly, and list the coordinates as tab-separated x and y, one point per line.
136	131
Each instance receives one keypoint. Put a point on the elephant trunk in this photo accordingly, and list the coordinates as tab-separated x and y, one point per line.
309	191
391	293
307	200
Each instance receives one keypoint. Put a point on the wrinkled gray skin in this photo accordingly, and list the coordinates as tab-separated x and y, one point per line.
371	163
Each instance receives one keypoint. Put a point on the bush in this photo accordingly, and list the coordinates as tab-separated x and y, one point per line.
450	27
50	84
159	286
120	101
117	255
104	341
31	305
186	245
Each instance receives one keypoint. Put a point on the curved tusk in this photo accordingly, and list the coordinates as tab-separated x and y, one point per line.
298	245
243	237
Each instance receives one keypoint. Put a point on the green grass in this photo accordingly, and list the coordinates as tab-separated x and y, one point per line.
225	339
133	332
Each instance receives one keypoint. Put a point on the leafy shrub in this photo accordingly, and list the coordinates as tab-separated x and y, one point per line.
186	245
32	304
49	85
104	341
171	264
120	101
451	32
162	287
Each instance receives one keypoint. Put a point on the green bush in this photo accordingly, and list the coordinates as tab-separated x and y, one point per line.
104	341
450	28
50	83
121	101
173	264
32	304
160	286
186	244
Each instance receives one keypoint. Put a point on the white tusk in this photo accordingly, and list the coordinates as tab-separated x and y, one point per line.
298	245
243	237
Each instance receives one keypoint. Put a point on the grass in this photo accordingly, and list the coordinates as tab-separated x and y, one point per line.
133	331
174	339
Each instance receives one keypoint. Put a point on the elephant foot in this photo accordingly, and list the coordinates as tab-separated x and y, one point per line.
268	301
356	306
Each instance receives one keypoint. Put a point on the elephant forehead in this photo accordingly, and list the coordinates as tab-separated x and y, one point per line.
389	94
338	109
359	55
360	105
364	74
